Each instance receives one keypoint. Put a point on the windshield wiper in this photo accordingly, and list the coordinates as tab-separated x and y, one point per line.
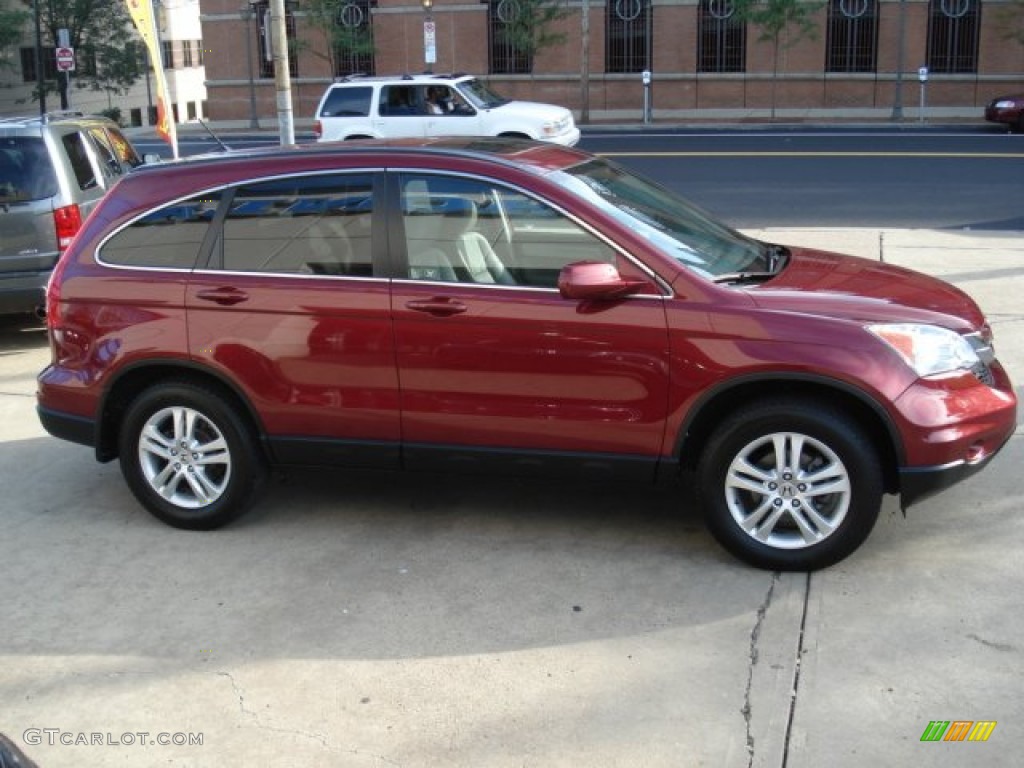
743	277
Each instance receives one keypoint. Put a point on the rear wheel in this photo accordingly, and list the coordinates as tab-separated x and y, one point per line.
189	457
789	485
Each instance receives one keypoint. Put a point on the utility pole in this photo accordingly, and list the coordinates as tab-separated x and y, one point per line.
282	74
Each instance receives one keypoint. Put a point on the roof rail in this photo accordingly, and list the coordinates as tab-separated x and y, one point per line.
59	114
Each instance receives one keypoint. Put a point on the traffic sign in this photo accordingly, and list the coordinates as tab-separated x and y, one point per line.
66	59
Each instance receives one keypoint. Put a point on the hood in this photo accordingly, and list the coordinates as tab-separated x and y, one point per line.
535	109
829	284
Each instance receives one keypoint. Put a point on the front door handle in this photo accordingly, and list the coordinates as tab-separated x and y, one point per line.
224	296
438	306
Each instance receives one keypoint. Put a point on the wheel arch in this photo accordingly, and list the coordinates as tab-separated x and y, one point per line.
709	410
134	379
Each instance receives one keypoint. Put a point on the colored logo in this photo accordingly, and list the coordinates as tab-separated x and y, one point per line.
958	730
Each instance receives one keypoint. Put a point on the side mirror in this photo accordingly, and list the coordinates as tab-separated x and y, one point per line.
151	158
595	280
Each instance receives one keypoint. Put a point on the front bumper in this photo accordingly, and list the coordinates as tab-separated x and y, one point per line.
918	483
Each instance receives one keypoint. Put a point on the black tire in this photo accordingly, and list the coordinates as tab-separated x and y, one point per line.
796	520
204	487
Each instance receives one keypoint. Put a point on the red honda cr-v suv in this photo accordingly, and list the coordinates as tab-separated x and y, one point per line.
506	306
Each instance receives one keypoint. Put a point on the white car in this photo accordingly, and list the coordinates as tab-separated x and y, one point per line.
434	105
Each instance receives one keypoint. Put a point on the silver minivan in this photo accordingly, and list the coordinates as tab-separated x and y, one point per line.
53	169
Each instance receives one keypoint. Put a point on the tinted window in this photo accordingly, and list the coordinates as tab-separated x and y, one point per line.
109	164
347	102
123	149
168	238
398	100
317	225
25	170
74	146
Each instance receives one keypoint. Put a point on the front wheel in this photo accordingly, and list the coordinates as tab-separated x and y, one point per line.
788	485
189	457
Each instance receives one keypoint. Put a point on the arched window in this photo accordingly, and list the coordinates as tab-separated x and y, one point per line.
953	35
721	38
852	44
266	49
506	24
628	31
353	39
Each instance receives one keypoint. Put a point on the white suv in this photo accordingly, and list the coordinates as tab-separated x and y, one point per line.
434	105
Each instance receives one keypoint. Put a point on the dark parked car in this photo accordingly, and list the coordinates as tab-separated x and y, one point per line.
1008	110
53	170
505	306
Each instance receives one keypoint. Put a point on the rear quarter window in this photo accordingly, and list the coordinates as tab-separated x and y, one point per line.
169	238
347	102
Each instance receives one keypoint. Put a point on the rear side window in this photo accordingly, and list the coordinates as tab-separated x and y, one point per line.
316	225
74	146
347	102
26	172
169	238
124	150
109	164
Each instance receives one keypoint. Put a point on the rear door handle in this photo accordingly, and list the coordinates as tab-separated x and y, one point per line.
224	296
437	306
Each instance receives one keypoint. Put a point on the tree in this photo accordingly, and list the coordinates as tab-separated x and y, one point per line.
345	25
528	29
783	23
102	26
12	25
1011	17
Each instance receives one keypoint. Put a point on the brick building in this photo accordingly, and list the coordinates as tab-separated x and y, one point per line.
706	63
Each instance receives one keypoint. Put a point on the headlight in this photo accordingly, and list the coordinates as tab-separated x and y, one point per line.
1005	104
928	349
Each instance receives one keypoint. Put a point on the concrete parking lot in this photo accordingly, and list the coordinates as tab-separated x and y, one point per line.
412	620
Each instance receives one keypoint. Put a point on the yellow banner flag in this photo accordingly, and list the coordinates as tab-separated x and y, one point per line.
145	21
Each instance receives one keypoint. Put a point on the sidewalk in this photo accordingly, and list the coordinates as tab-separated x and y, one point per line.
377	621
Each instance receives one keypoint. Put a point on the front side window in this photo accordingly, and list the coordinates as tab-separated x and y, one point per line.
470	231
722	38
953	35
627	40
168	238
318	225
852	36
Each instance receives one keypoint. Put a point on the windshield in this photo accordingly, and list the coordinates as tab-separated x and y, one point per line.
671	224
479	95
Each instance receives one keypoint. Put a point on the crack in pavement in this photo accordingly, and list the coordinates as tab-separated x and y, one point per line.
795	689
240	693
755	633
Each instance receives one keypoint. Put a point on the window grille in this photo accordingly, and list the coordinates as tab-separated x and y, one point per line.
262	11
722	38
953	35
504	20
627	29
353	53
852	44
